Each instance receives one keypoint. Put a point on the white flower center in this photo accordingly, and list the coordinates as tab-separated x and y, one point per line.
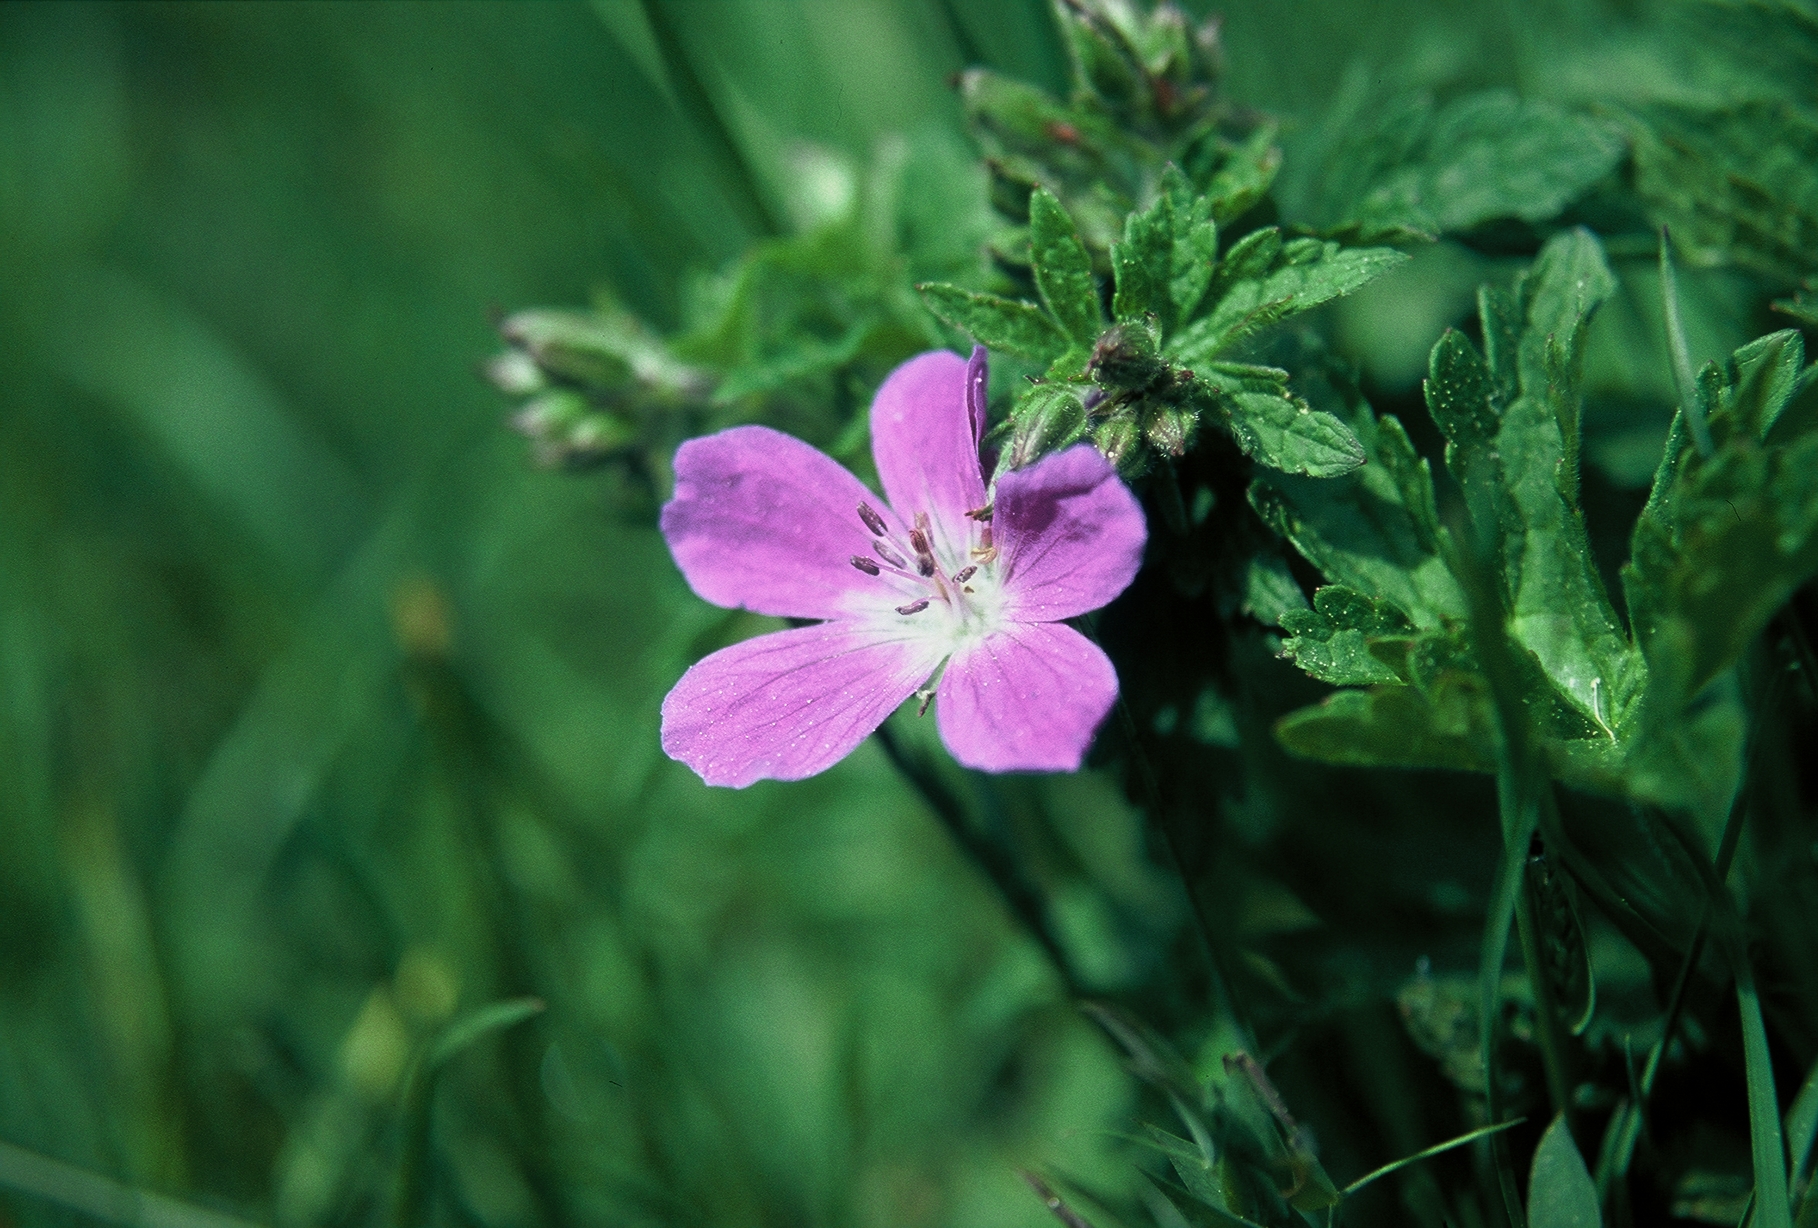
936	586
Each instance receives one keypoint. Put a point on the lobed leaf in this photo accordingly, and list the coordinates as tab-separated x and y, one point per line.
1263	279
1331	641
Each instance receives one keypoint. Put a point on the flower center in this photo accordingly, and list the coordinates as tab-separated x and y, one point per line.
953	583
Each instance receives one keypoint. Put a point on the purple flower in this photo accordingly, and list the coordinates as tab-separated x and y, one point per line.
945	572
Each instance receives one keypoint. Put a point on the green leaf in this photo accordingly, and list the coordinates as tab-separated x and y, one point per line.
1398	165
1560	1191
1470	1136
1270	589
1737	181
474	1026
1143	263
1262	280
1517	462
1246	175
1444	726
1374	529
1063	271
996	323
1164	263
1731	540
1760	380
1284	433
1332	640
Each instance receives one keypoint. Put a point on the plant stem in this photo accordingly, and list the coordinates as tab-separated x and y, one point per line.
1019	894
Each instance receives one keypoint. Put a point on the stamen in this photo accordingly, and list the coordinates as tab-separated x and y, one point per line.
924	553
981	513
868	566
890	556
914	607
985	551
964	574
872	520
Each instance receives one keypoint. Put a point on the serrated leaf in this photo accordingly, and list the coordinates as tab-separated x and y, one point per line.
1561	1193
1332	640
1737	182
1063	271
1246	175
1270	590
1731	541
1262	280
1143	262
1760	380
997	323
1286	434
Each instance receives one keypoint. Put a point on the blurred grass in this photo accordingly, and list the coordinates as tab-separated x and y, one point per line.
326	718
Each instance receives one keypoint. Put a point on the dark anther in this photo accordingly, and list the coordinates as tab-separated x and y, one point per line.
914	607
865	565
964	574
872	520
888	555
981	513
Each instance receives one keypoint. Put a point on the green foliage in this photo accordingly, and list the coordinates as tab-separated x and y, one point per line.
328	722
1560	1193
1152	375
1388	166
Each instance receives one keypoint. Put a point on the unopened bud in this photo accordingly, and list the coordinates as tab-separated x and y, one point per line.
1117	438
568	432
1169	428
514	373
1126	357
1046	419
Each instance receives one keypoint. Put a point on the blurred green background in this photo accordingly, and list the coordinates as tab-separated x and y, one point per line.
326	718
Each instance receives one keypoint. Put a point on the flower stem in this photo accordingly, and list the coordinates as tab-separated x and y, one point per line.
1021	896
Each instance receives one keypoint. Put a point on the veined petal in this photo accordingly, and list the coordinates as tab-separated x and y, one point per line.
1069	536
793	703
978	376
761	520
927	454
1026	698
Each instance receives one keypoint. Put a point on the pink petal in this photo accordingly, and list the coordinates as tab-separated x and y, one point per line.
1069	536
978	377
793	703
922	437
1027	698
761	520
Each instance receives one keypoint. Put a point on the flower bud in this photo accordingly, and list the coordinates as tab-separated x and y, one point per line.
1168	428
1046	419
1118	438
1126	358
514	373
569	433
